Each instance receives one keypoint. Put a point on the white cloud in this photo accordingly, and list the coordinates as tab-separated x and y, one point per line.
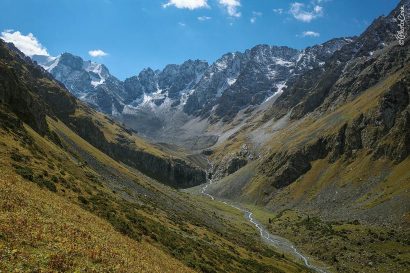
255	14
310	33
97	53
182	24
187	4
300	13
318	9
278	11
204	18
28	44
231	7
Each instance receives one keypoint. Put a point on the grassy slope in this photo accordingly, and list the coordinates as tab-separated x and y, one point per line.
71	176
374	191
347	176
344	246
41	231
112	130
323	176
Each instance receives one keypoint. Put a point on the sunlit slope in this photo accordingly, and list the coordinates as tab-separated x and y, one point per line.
347	161
41	231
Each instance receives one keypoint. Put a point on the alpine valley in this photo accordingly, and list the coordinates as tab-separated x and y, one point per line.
269	160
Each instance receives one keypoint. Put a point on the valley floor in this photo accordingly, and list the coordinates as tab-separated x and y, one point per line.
344	246
327	246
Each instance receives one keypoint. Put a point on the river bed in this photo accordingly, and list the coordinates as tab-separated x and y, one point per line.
276	241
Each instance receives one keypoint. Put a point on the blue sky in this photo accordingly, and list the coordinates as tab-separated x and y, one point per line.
152	33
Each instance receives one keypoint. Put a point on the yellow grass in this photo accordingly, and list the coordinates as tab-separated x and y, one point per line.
40	230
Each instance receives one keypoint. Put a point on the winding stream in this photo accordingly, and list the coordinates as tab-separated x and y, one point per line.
274	240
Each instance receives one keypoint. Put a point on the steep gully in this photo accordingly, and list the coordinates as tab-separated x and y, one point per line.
270	239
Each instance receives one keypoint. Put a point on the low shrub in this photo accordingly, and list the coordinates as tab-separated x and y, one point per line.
25	172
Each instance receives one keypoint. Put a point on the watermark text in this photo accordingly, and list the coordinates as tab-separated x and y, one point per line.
401	33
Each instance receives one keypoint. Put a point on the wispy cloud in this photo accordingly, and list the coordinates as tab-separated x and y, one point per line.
204	18
231	7
255	14
310	33
181	24
278	11
187	4
300	13
28	44
97	53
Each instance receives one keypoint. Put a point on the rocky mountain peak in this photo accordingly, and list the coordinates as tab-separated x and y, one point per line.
382	31
316	56
147	72
74	62
264	51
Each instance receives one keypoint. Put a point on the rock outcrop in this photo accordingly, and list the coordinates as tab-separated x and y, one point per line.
171	171
384	132
232	162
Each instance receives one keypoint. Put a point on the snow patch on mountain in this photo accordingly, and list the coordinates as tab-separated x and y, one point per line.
97	74
279	90
231	81
47	62
280	61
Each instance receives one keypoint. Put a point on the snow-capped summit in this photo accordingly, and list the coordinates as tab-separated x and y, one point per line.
67	65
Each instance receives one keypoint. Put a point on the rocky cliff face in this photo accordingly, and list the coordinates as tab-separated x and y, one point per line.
232	162
239	80
170	86
26	90
171	171
385	132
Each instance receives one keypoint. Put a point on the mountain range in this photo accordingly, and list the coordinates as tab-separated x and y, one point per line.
217	92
